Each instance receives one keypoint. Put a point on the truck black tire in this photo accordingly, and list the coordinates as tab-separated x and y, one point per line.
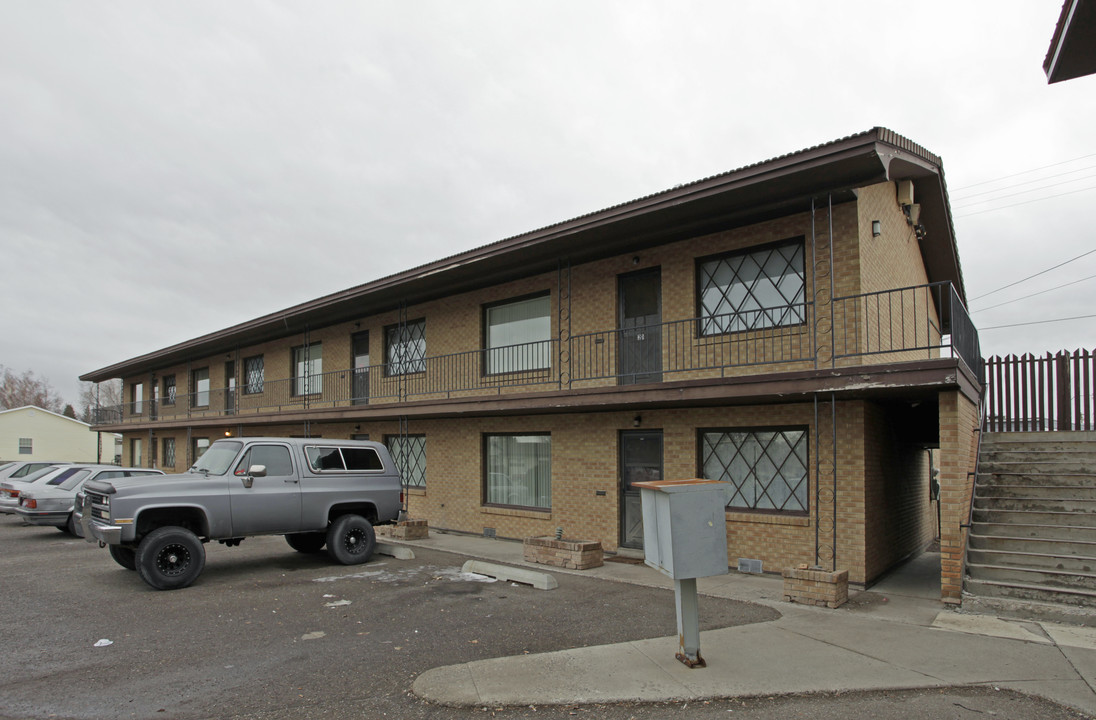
351	540
126	557
311	542
170	558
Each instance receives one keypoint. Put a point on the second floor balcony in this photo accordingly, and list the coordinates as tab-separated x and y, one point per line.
888	327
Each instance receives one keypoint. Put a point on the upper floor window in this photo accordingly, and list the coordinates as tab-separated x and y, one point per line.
753	289
518	335
26	446
405	348
253	375
308	369
199	386
767	467
169	389
137	397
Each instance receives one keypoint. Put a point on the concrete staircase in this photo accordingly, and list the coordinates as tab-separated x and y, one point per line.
1032	546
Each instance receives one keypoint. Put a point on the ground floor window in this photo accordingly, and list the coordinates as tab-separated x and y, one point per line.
199	448
409	454
768	467
136	458
168	453
518	470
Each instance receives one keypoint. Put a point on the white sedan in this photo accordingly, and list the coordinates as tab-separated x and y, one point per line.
50	500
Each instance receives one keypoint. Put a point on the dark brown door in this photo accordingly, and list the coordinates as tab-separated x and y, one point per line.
640	354
640	460
359	390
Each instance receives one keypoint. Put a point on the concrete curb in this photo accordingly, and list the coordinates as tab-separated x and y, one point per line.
539	580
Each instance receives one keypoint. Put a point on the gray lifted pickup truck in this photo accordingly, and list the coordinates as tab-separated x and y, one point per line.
315	491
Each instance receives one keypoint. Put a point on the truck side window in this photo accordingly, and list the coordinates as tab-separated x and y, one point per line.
324	458
361	459
274	457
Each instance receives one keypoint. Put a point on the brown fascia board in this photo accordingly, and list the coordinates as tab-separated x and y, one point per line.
1072	52
783	185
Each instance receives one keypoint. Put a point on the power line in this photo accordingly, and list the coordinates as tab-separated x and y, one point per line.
1037	322
1025	297
1025	172
1022	192
1029	277
1027	202
1027	182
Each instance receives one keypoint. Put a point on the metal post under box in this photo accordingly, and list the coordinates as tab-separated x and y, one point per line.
685	537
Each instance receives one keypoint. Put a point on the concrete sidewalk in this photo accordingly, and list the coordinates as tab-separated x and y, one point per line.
899	635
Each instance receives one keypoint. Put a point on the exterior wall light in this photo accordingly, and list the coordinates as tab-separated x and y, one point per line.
876	228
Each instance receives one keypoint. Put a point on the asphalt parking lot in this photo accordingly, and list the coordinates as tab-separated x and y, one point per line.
270	633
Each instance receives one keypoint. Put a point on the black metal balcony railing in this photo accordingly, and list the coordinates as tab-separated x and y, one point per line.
899	325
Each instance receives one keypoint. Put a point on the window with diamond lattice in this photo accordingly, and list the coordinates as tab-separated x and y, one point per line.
753	290
169	390
409	454
253	375
405	348
168	452
768	468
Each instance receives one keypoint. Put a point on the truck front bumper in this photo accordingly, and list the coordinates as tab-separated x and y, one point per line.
97	532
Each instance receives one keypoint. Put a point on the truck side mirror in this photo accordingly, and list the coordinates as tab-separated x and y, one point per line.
253	472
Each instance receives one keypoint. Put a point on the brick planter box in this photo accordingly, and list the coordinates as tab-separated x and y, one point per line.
816	587
571	554
408	530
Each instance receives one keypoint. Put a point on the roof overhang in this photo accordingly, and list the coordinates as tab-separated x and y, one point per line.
1072	52
785	185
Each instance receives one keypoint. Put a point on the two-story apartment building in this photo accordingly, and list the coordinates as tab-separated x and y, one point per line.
795	327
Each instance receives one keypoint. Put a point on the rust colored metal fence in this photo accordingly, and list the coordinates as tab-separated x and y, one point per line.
1041	392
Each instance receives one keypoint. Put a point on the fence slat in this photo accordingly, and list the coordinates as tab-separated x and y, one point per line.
1041	393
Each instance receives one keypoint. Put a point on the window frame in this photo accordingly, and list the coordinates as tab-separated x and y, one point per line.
486	470
250	387
394	452
169	389
195	393
295	380
807	482
485	331
137	398
704	319
26	446
408	366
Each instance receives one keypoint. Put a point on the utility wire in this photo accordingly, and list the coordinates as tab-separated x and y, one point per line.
1027	202
1024	192
1025	172
1059	287
1037	322
1029	277
1026	182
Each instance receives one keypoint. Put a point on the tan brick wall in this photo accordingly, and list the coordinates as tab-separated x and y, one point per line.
958	447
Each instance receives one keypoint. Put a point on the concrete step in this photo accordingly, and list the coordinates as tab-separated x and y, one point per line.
1033	576
1037	504
1068	533
1056	547
1085	455
1017	609
1047	492
1080	480
1032	560
1039	593
1036	517
1047	467
1042	439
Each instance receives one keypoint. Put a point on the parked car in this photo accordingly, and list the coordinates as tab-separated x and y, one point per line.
51	502
315	492
10	488
19	469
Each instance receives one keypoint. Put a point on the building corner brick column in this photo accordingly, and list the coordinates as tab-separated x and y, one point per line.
958	446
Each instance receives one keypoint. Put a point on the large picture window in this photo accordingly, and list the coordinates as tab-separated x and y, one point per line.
518	470
409	454
308	369
405	348
768	467
518	335
752	290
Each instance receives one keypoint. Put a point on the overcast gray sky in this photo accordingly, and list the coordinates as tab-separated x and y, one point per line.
171	169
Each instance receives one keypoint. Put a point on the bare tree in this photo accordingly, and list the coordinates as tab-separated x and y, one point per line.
105	395
27	389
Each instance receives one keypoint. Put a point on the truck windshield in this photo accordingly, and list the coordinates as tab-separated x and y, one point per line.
217	459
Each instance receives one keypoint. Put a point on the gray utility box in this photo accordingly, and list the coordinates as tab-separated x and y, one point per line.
684	526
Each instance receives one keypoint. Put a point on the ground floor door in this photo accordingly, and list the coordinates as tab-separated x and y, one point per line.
640	460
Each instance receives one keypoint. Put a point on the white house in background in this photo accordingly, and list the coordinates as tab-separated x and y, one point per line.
32	433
